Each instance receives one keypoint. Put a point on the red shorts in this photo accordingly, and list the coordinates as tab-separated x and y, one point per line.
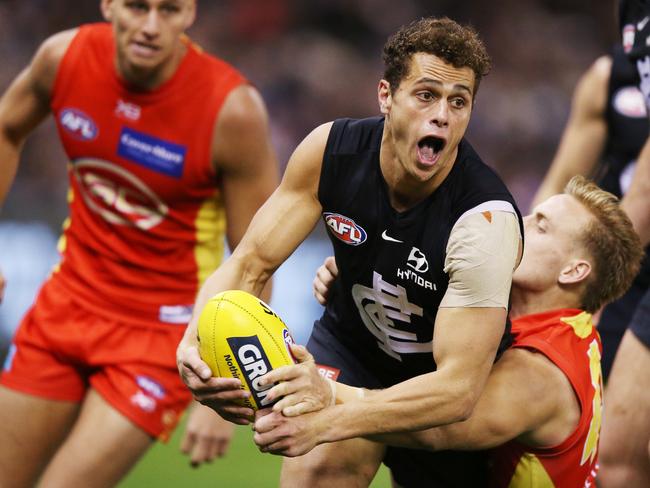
61	349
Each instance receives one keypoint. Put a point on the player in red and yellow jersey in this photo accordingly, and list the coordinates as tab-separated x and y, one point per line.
569	345
541	408
169	152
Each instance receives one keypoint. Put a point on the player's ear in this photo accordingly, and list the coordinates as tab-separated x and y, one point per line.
106	8
576	271
384	96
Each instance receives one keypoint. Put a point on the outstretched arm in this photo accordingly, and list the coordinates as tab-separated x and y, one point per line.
244	159
266	244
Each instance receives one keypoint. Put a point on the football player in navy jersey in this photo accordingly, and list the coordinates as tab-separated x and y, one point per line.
607	128
582	232
625	441
426	237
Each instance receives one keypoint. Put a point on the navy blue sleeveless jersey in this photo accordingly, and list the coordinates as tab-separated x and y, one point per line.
391	280
627	131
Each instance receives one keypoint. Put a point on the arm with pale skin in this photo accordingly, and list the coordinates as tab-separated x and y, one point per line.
464	346
243	157
585	133
266	244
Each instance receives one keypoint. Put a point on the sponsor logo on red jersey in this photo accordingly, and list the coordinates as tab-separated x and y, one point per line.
345	229
78	124
152	152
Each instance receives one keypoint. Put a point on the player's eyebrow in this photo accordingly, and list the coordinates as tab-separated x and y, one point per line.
457	86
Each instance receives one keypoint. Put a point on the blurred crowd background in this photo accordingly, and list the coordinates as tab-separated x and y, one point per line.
316	60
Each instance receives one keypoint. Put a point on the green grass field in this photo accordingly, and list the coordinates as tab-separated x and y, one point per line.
244	466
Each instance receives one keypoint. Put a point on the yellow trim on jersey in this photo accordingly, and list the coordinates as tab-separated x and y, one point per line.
590	448
581	324
210	230
530	474
62	242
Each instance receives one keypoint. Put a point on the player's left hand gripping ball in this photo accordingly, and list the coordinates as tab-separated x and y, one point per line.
241	337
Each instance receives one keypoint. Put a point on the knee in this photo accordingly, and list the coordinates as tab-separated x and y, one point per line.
325	472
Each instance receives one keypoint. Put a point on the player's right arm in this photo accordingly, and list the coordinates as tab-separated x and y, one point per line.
26	103
515	404
584	136
277	229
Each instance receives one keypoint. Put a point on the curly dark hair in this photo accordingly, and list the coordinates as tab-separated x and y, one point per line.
457	45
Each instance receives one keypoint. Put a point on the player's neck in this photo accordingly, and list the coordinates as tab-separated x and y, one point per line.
405	190
527	302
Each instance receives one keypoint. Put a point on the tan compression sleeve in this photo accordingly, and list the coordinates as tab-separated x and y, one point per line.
481	255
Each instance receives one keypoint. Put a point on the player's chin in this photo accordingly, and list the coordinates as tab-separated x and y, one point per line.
424	173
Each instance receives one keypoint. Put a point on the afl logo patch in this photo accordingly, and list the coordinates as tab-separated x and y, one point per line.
345	229
78	124
628	101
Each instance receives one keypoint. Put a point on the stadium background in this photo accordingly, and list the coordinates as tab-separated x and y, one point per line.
313	60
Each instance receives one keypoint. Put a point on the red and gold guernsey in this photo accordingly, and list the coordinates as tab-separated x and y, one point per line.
146	223
569	339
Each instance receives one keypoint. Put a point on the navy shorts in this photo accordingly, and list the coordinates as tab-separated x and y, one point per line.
614	321
409	467
640	325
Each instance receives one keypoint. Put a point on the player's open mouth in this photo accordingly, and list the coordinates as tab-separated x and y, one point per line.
429	149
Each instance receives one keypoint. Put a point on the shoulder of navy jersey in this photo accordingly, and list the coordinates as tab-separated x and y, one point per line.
472	182
354	136
351	156
623	70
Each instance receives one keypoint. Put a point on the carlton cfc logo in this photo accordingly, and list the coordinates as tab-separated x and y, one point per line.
345	229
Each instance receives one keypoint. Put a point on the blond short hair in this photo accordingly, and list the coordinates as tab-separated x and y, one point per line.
610	240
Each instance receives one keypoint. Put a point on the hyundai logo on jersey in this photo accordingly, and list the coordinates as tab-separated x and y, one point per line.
153	153
78	124
418	261
345	229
